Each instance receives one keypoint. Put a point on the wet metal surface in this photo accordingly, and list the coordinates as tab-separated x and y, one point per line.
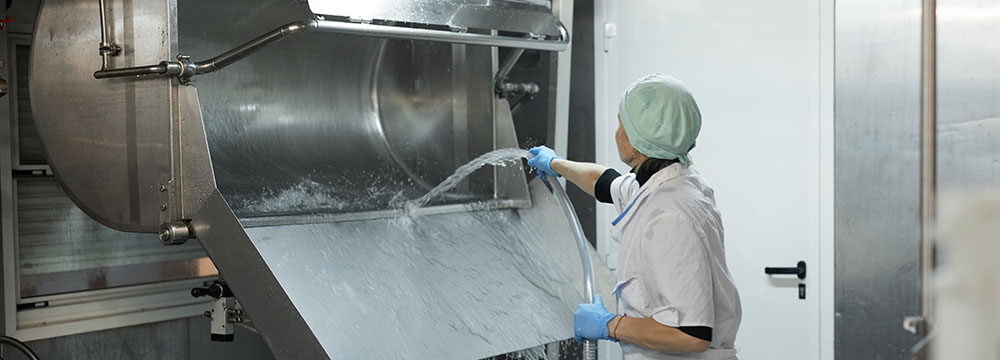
328	123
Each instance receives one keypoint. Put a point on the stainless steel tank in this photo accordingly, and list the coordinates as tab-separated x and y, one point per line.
286	165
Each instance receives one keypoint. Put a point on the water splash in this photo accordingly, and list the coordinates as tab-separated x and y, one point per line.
500	157
309	196
306	195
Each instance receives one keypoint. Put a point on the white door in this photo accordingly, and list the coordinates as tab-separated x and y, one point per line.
757	70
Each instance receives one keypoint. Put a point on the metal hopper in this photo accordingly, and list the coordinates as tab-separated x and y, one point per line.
288	163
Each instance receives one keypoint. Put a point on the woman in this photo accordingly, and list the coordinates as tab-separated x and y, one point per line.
676	299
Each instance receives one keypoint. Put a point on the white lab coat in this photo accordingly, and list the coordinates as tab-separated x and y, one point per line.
672	260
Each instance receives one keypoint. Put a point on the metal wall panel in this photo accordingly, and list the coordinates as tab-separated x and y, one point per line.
22	14
877	193
29	145
7	269
61	249
968	94
580	144
183	339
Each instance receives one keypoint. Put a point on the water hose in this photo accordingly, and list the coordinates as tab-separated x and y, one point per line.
20	346
589	346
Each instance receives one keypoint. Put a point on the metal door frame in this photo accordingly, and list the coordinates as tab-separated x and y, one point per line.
823	49
7	271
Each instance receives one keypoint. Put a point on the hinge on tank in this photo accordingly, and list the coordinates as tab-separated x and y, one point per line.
175	233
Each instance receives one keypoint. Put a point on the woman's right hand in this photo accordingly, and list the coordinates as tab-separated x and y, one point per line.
543	161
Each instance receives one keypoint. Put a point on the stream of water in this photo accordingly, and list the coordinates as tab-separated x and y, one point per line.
499	157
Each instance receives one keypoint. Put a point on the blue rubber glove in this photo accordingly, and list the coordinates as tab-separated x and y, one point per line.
542	160
590	321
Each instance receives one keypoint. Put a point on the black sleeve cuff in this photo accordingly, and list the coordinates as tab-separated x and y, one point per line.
602	189
701	332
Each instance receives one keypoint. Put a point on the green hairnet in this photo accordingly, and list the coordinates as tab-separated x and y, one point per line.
660	117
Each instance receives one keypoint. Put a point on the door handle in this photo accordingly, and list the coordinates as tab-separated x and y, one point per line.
799	270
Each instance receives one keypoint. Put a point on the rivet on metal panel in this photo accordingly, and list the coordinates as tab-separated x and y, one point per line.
163	207
163	188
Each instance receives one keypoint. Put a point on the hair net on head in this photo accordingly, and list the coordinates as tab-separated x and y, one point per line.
660	117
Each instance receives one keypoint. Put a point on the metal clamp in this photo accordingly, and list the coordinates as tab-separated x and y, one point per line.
506	89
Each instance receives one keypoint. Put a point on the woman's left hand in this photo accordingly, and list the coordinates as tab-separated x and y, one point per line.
590	321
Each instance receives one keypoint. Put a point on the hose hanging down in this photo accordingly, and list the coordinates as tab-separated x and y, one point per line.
589	346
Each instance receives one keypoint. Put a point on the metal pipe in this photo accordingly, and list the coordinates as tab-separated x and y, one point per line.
394	32
928	155
508	65
20	346
589	346
105	57
132	71
242	51
106	48
505	88
325	26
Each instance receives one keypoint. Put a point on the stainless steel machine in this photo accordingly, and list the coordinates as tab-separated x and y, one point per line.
285	151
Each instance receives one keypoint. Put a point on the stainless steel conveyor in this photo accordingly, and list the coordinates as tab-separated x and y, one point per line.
286	164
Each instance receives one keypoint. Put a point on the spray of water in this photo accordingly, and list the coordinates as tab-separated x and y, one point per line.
500	157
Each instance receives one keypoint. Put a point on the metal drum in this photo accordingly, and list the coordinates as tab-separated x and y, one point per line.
332	123
286	165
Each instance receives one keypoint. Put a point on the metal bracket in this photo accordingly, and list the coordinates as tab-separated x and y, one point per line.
109	48
916	325
224	313
506	89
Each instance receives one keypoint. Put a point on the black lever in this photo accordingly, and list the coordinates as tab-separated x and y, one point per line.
799	270
217	289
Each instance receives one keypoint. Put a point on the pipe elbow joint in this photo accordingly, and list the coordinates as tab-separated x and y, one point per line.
299	26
